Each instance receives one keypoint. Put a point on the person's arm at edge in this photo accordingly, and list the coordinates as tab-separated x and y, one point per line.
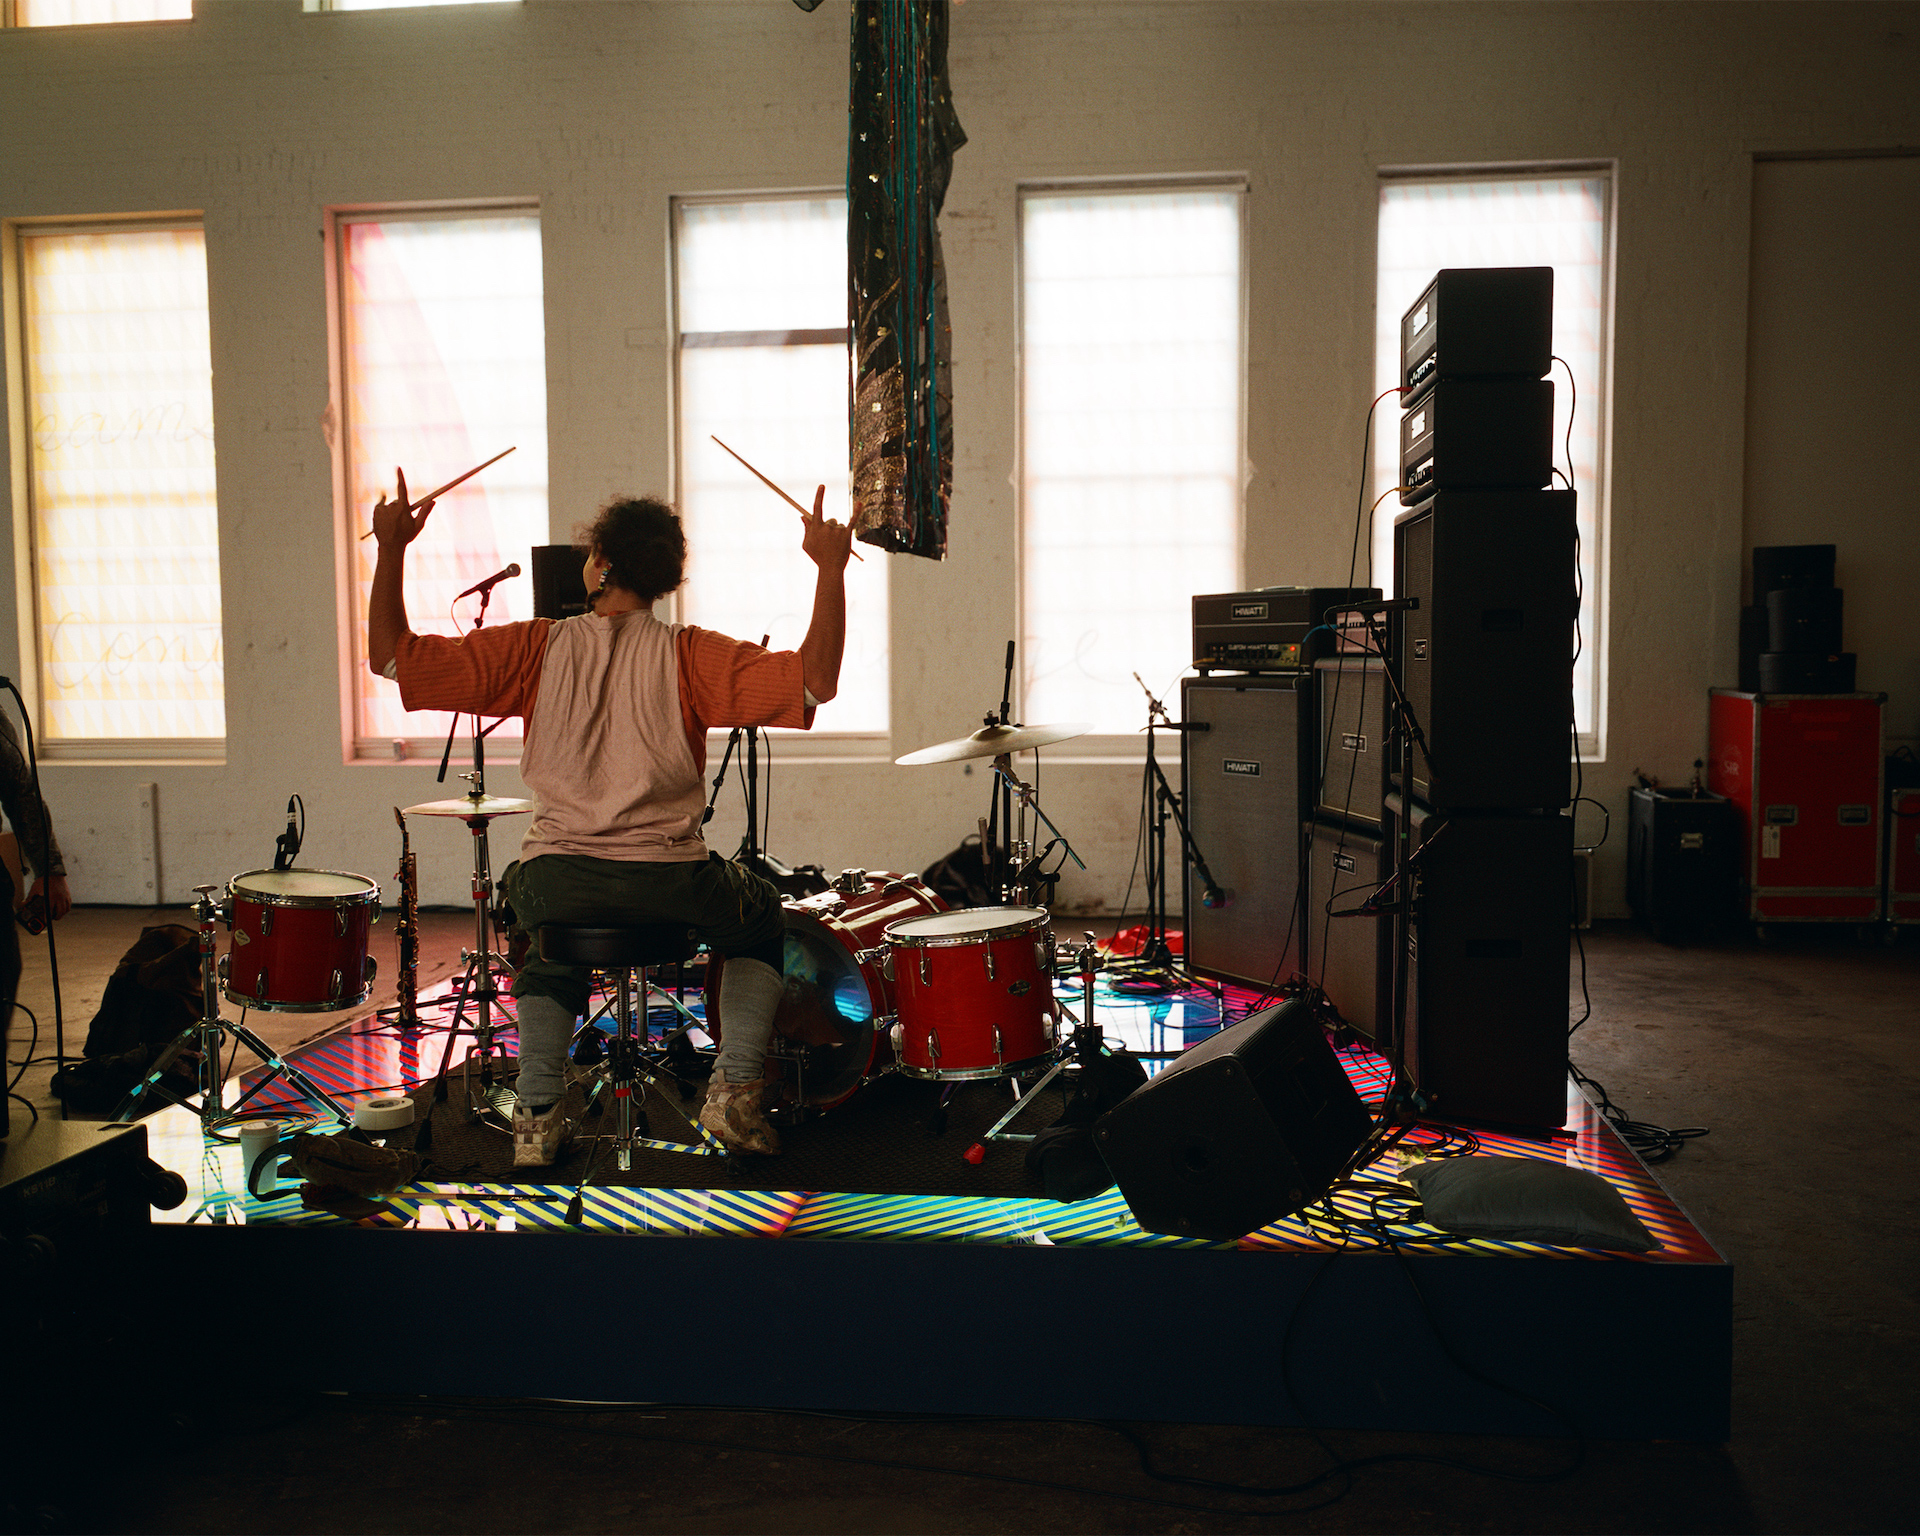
828	544
395	526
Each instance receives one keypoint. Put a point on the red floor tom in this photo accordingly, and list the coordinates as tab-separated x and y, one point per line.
299	940
832	1030
975	991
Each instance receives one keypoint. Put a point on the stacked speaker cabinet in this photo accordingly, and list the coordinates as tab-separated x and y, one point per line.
1479	850
1350	954
1246	775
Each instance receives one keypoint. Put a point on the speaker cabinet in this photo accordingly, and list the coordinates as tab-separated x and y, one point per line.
559	589
1487	658
1483	1028
1352	739
1350	958
1245	779
1242	1129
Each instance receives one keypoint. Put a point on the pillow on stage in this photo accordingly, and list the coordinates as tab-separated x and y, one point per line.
1526	1200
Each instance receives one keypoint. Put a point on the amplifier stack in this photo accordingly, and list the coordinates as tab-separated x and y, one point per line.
1251	762
1475	837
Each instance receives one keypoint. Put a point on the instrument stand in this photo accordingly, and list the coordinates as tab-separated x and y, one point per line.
1404	738
206	1033
1086	1044
1166	802
1023	881
477	985
628	1072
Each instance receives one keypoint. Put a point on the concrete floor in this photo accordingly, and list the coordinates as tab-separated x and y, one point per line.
1798	1057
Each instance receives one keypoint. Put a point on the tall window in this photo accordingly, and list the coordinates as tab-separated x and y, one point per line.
80	13
761	291
443	363
1535	221
1130	383
124	533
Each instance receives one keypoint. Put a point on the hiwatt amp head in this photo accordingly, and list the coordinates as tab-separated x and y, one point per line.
1271	629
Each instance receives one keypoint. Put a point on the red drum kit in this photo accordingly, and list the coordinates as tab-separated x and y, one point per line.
299	940
883	978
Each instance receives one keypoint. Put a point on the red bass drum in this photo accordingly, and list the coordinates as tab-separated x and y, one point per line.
831	1030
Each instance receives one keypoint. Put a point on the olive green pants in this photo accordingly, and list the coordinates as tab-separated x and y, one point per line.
732	910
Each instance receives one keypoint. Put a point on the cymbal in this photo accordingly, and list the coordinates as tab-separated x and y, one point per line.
993	740
470	808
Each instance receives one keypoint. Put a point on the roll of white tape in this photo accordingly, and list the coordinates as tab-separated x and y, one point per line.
382	1114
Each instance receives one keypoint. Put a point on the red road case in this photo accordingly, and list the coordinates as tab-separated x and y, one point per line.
1903	856
1804	771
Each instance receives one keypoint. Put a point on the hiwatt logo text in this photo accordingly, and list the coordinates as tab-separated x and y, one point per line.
1245	768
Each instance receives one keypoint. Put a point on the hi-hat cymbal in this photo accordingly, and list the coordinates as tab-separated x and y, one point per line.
993	740
469	807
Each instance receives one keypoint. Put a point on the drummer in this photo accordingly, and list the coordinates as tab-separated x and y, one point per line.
617	708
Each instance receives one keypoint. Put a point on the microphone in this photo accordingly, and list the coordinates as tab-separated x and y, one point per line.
1213	898
286	847
492	581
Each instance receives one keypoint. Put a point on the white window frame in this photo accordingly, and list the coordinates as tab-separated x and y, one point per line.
822	742
197	751
1100	747
357	748
1595	395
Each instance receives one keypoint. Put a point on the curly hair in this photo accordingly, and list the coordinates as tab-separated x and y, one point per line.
642	541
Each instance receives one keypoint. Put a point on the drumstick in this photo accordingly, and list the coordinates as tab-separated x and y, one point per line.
804	513
456	480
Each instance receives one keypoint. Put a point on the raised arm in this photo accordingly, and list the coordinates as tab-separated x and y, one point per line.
395	526
827	544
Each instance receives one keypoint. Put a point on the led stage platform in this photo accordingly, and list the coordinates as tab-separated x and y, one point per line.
962	1304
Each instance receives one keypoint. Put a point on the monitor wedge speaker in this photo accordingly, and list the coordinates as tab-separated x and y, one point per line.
1248	1126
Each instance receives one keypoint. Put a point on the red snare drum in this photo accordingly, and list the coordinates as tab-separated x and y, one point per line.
300	940
976	992
831	1028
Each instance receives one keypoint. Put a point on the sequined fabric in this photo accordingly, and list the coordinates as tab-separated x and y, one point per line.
901	136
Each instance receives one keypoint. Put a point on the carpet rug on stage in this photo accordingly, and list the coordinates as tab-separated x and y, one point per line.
882	1141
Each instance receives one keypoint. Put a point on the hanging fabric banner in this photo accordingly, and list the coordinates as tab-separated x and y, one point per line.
901	136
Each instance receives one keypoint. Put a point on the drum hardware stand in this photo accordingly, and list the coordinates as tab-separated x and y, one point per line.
628	1073
1085	1045
1155	952
1021	887
206	1031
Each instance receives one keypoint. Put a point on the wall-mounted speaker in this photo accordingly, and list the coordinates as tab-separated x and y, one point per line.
1246	1127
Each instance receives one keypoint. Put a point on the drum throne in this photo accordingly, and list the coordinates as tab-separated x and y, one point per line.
624	1065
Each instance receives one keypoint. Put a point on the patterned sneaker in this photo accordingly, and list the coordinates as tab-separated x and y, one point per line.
537	1141
732	1112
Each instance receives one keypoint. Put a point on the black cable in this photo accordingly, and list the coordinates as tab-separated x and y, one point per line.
1651	1143
46	878
33	1044
26	1101
1573	404
1360	516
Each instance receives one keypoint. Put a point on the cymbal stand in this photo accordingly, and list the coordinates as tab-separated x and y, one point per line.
1020	885
205	1034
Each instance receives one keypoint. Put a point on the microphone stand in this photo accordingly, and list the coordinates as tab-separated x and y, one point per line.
476	984
1155	951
